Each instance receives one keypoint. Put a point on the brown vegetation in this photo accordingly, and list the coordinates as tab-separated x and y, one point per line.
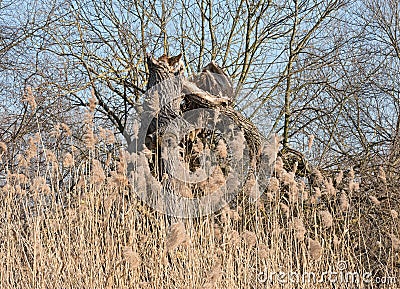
101	236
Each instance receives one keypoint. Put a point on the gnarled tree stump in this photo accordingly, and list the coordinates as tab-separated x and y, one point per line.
172	95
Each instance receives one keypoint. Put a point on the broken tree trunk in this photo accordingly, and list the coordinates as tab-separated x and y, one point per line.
171	96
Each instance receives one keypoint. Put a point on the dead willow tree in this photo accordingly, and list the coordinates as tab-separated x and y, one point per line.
198	145
182	104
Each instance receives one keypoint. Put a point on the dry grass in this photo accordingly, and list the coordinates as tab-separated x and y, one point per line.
103	237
